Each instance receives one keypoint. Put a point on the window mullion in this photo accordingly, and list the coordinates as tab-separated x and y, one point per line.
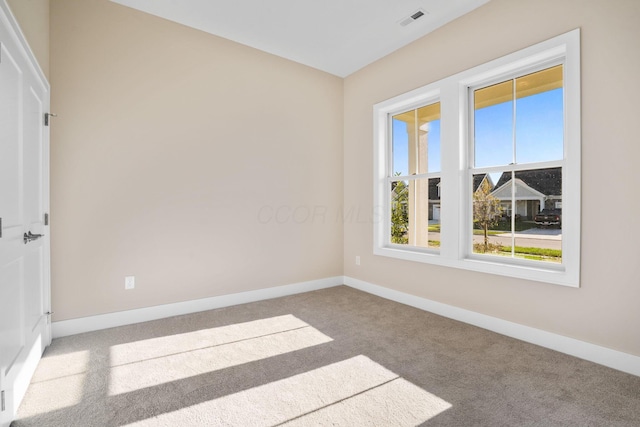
513	121
454	163
514	207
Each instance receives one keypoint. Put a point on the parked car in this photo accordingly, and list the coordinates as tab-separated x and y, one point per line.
548	217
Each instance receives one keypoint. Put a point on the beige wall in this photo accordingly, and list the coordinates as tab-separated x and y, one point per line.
171	153
33	17
604	310
171	143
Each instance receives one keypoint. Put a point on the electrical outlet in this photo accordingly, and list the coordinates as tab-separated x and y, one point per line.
130	282
357	260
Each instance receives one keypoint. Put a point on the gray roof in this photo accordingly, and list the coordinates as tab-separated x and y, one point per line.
477	180
547	181
434	182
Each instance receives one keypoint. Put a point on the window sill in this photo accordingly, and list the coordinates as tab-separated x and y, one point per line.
520	269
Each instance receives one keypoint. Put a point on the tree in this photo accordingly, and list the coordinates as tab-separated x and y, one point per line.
399	212
486	210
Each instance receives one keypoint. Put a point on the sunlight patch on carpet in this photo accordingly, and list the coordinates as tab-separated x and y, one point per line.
160	370
396	403
61	378
353	392
151	348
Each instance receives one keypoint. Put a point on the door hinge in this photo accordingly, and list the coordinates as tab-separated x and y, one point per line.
2	405
46	220
47	116
0	228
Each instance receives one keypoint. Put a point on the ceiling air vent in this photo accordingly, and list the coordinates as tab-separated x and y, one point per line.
413	17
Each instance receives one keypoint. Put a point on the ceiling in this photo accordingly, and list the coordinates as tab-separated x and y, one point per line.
336	36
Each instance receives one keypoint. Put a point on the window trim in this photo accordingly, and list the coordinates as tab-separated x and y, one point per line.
453	93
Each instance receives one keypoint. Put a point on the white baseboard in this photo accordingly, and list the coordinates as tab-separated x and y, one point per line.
594	353
121	318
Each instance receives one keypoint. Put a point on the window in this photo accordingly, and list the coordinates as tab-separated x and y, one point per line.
481	170
414	177
517	153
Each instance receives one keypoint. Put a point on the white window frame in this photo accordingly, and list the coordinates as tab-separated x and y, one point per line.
453	93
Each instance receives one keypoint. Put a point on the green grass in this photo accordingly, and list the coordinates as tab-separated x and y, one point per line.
545	252
538	254
489	233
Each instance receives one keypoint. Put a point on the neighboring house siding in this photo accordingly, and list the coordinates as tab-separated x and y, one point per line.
434	197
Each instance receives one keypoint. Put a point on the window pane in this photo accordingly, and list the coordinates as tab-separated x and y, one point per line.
400	148
434	213
412	213
489	215
429	144
539	194
533	131
493	125
521	215
416	141
399	212
540	116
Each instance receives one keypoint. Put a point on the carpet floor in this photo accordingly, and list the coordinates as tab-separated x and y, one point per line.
333	357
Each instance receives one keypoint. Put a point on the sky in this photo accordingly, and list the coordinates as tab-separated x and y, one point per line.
539	134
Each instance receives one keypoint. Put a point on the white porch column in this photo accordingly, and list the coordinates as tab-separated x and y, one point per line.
418	190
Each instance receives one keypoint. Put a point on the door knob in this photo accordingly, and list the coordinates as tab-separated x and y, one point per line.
30	236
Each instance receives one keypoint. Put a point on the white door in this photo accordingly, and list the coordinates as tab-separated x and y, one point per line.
24	198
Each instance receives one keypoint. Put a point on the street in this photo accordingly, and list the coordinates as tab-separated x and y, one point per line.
532	238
